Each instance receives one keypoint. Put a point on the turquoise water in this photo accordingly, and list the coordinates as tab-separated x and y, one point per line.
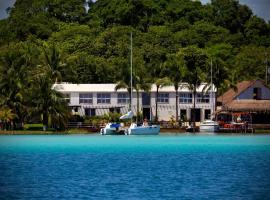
135	167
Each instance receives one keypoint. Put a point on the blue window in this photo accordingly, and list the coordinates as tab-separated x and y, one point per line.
86	98
185	98
103	98
202	98
163	98
122	98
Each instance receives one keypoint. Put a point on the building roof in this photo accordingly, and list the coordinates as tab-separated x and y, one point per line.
67	87
248	105
231	94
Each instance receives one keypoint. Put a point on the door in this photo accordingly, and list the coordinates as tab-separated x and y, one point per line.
146	113
207	114
197	114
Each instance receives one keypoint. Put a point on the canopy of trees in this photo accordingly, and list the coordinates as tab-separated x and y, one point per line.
44	41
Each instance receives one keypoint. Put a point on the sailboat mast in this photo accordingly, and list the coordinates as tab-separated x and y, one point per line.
131	87
211	96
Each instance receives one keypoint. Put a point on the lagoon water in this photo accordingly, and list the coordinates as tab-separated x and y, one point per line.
135	167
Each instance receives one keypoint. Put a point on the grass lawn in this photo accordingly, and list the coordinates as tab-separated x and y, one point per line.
40	132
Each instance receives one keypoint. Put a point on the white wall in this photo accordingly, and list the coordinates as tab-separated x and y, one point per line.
165	110
74	98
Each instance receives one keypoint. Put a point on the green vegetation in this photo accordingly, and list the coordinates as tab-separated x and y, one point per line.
44	42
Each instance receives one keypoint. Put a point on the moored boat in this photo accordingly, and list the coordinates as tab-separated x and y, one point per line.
134	129
209	126
192	129
111	129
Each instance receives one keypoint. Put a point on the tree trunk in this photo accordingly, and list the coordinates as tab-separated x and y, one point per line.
176	105
45	121
215	103
156	117
194	106
138	102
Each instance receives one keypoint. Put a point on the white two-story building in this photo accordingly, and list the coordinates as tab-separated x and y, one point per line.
99	99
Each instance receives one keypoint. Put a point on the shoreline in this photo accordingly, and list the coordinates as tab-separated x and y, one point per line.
163	131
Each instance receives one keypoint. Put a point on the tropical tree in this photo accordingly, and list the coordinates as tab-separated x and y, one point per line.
230	82
219	64
124	83
140	83
52	61
230	14
72	11
176	72
250	62
159	83
15	63
48	101
195	60
6	116
156	48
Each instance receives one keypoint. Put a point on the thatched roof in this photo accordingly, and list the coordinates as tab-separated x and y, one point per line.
248	105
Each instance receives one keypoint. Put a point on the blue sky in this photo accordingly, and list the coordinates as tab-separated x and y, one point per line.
260	7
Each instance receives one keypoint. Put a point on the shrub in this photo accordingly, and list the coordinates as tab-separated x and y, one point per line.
33	127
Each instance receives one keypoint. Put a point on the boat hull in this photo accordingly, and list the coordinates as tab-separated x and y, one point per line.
111	129
209	128
107	131
143	130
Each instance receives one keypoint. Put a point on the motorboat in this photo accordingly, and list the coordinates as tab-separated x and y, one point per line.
112	129
134	129
209	126
192	129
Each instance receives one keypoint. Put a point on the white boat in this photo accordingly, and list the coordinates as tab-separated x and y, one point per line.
143	130
209	126
134	129
111	129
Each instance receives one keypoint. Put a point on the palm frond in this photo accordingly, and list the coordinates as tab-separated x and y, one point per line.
121	85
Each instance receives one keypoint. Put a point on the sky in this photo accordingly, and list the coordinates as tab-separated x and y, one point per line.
260	7
4	4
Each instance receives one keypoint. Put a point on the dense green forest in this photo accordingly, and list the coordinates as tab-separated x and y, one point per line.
48	41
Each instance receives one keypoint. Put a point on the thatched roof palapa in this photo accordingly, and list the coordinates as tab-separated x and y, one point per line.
248	105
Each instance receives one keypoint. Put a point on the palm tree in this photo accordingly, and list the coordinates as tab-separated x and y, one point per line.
48	101
160	82
195	60
229	82
140	83
14	68
6	116
125	82
52	60
176	72
222	77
